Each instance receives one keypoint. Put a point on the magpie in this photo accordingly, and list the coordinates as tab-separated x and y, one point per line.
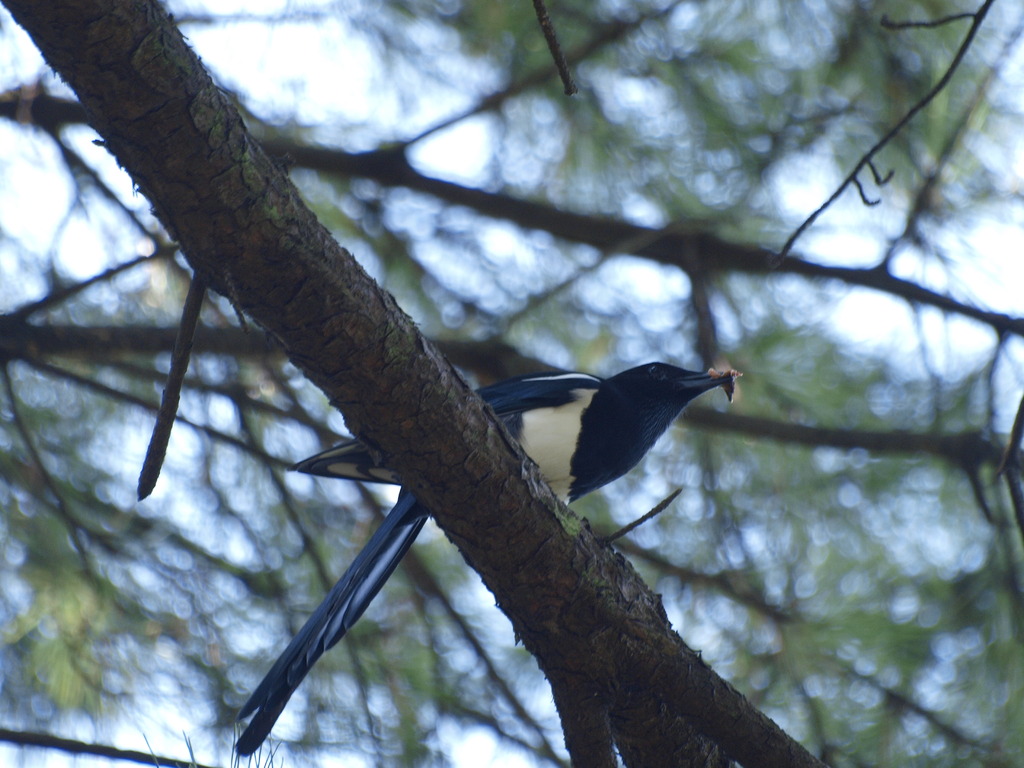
582	432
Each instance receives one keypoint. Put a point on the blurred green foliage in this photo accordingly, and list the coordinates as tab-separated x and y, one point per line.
862	587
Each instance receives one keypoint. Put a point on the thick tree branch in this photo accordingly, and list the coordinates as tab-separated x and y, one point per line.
577	606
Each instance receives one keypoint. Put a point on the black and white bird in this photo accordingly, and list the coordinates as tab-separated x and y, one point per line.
582	432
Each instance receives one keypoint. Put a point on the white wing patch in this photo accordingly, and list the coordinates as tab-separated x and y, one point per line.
348	470
562	376
549	437
349	460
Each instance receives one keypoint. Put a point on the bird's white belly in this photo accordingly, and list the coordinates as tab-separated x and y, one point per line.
549	438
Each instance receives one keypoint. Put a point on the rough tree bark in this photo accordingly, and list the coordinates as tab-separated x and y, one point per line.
622	677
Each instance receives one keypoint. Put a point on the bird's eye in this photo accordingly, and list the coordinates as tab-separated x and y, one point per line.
654	371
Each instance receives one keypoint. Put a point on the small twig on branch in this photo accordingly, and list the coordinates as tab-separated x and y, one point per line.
880	180
556	50
661	507
172	392
864	195
979	17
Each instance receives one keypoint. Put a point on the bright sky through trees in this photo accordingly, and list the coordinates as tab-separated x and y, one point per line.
843	551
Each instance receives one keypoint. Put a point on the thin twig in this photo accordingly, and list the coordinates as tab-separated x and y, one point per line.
127	397
172	391
978	489
979	16
70	746
880	179
864	195
556	50
1017	498
707	332
890	24
63	294
661	507
609	33
925	193
74	528
633	242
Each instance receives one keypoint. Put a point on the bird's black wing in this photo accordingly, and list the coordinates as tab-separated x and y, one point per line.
537	390
351	459
511	398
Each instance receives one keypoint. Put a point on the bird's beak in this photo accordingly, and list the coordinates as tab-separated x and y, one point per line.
699	383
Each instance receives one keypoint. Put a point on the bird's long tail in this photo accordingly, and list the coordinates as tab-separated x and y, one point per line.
332	619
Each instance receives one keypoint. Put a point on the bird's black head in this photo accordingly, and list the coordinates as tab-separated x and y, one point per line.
628	413
664	382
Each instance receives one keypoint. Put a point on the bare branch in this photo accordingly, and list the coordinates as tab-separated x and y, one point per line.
608	33
63	294
978	489
688	250
905	703
924	194
734	584
863	195
880	179
127	397
660	507
890	24
979	16
46	741
962	449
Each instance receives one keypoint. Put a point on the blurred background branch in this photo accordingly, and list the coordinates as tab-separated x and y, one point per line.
844	548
